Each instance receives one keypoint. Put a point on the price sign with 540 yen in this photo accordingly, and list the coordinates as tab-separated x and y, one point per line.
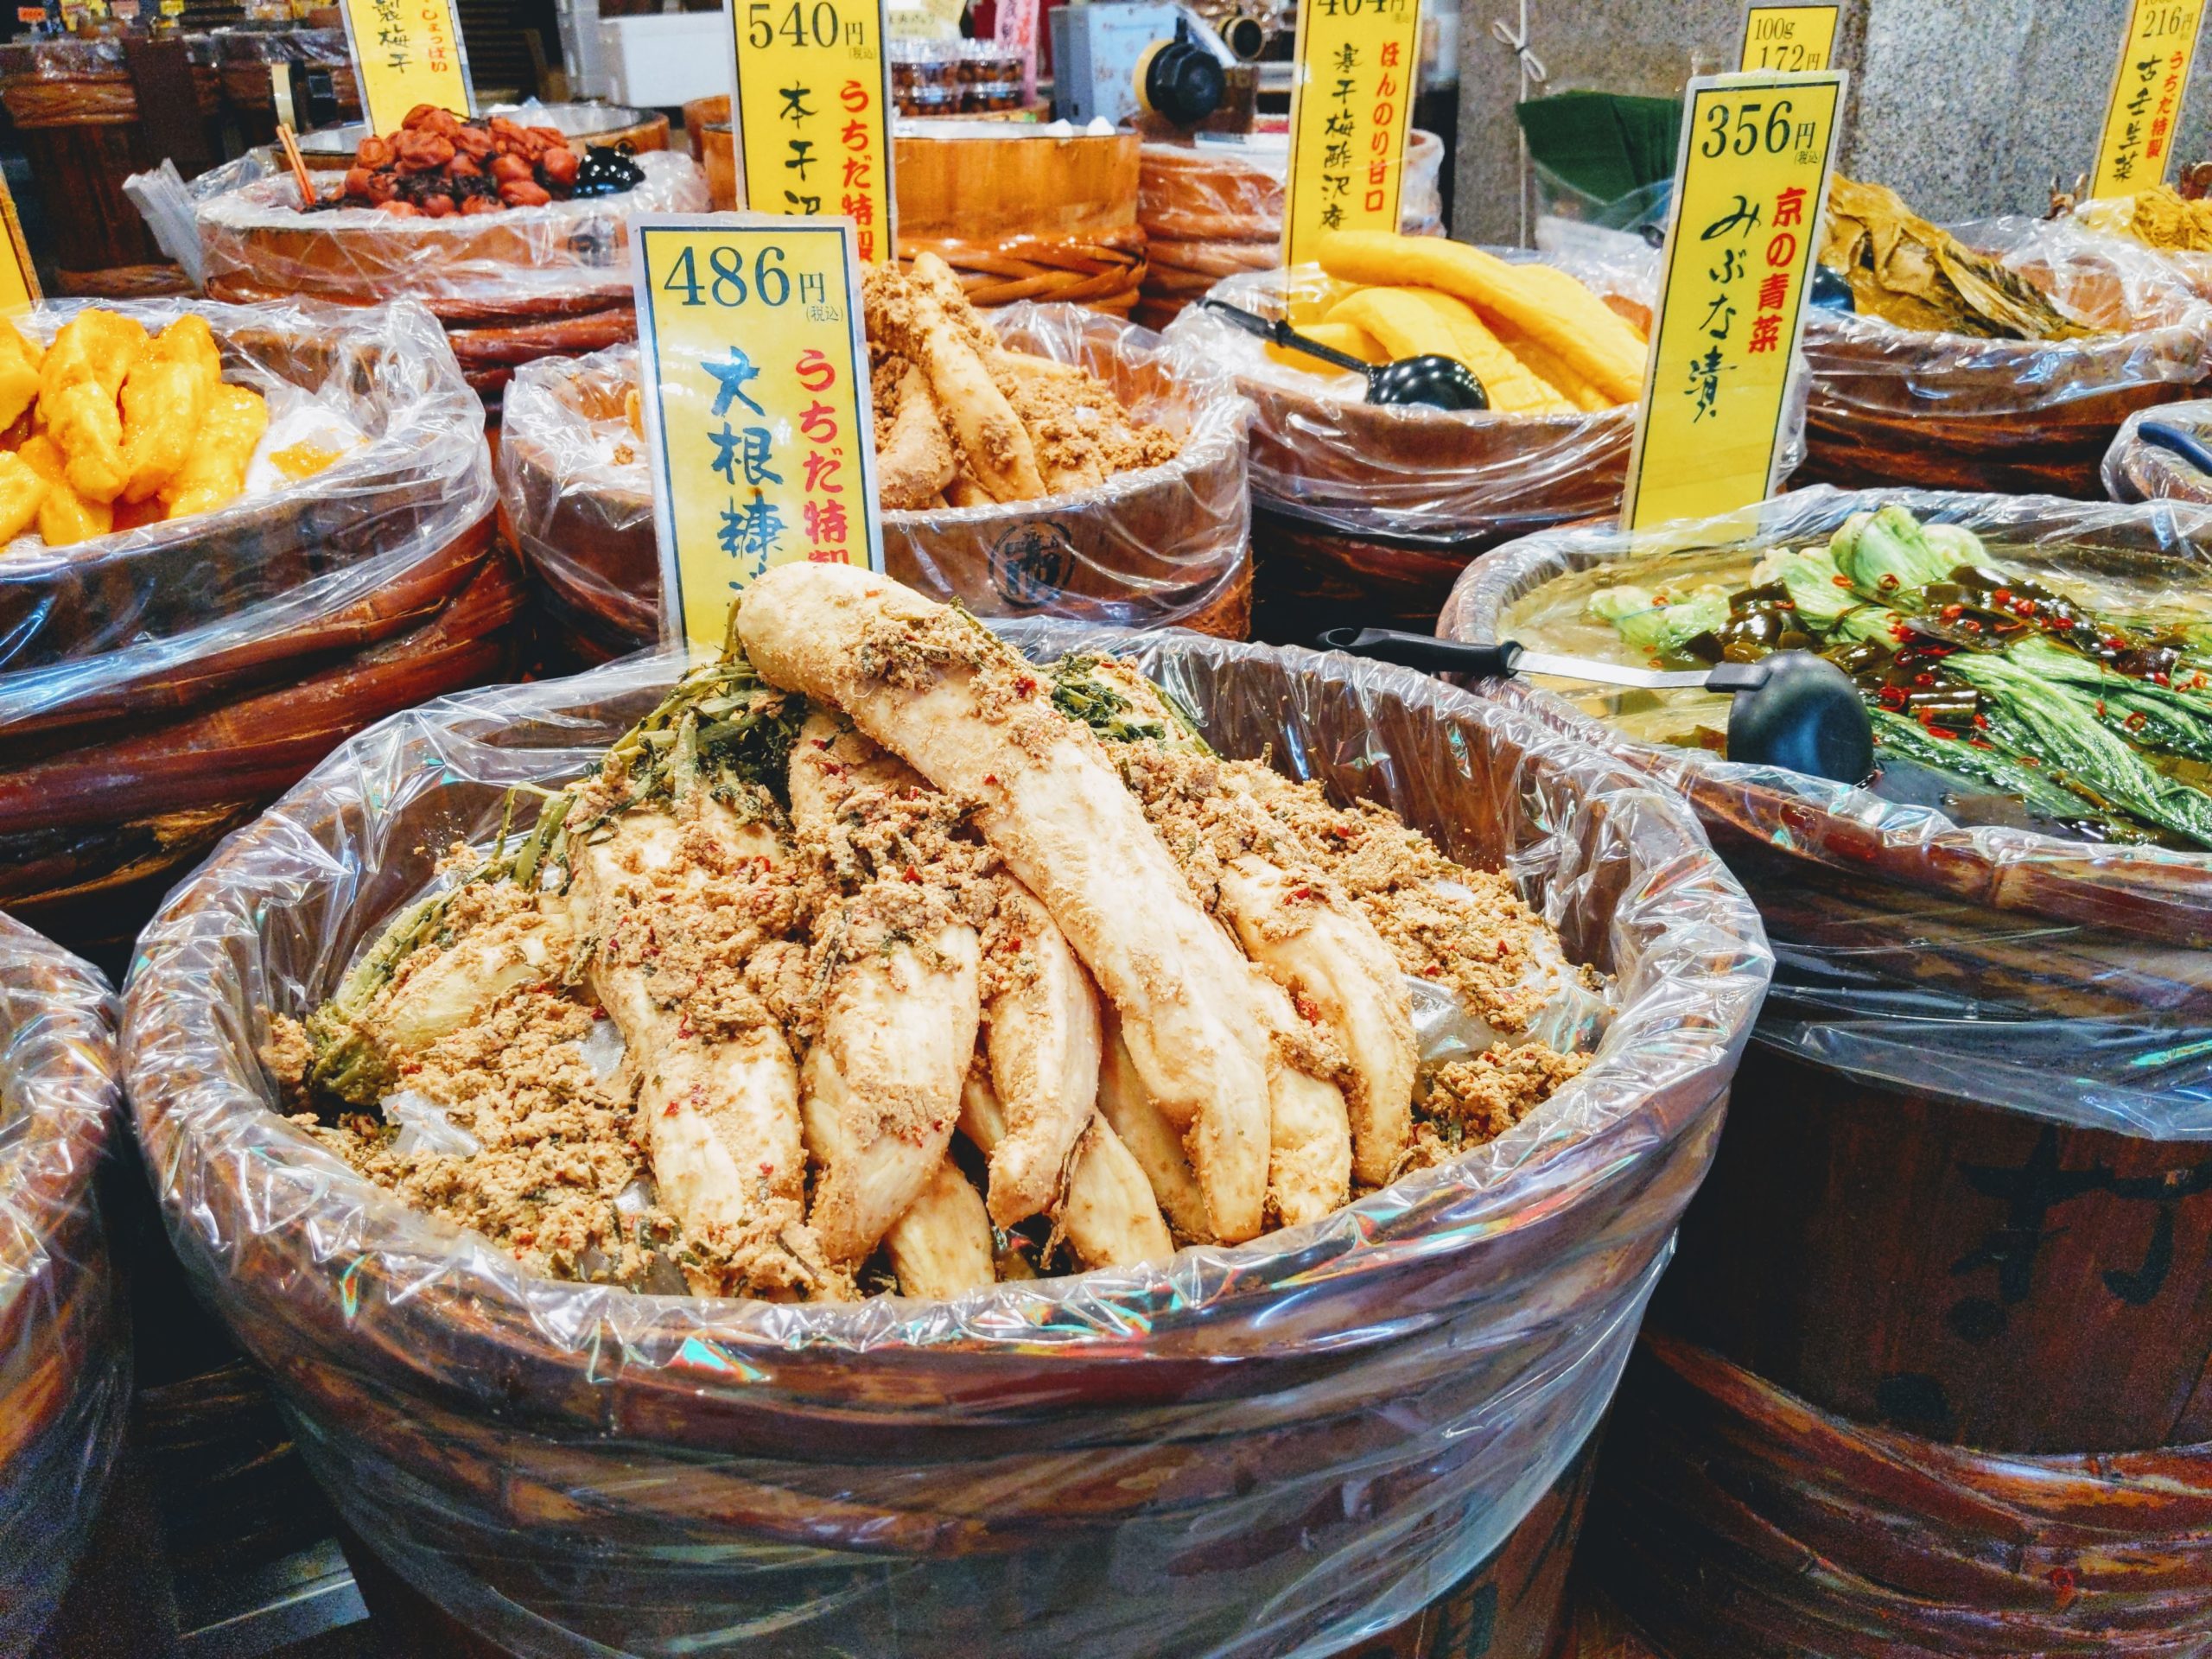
809	109
1751	192
752	360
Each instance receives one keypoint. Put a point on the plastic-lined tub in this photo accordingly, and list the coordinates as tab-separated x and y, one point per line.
1277	1448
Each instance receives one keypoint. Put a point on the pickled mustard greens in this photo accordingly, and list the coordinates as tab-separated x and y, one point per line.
1917	275
2095	721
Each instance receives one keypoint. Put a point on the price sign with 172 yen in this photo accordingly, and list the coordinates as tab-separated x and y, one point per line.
809	106
2143	115
1351	100
1750	192
1792	40
753	361
406	53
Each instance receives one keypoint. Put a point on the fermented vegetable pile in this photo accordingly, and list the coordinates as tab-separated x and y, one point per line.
2098	723
1540	341
874	878
438	164
1918	276
2160	217
109	428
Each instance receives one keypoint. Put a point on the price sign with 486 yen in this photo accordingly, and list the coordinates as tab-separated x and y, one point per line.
752	362
809	107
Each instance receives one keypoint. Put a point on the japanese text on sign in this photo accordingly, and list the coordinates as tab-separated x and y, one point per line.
19	277
1350	104
813	86
1789	40
2144	114
755	363
1751	192
406	53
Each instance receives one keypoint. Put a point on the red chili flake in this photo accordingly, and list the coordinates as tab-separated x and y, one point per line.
1299	893
525	1240
1953	613
2135	722
1024	686
822	742
2100	707
668	1111
2160	678
991	778
1840	582
2002	596
766	1168
1924	680
1982	722
1501	948
1887	582
2062	1580
2029	760
1979	743
1432	972
1933	730
1890	697
915	876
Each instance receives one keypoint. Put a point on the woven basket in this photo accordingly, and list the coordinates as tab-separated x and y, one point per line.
1018	215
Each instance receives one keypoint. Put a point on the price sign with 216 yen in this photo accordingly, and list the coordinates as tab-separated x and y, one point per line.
809	108
2143	115
1751	192
753	362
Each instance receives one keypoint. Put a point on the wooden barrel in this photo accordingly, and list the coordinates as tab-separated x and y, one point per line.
90	836
1734	1519
1889	406
1162	547
331	151
78	104
251	58
1210	210
1018	213
64	1362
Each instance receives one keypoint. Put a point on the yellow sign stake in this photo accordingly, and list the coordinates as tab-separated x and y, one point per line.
1788	39
2143	117
1351	101
406	53
18	276
754	361
1751	191
813	85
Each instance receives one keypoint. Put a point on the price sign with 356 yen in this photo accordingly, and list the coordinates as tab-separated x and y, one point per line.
809	109
1751	192
753	361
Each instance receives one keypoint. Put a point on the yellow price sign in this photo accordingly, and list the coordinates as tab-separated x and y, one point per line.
406	53
2143	116
1751	192
753	357
19	289
1788	39
813	92
1351	102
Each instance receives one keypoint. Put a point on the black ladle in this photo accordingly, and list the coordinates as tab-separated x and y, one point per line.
1791	710
1438	381
2173	439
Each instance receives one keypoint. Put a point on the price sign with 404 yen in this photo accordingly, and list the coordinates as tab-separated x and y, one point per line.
752	362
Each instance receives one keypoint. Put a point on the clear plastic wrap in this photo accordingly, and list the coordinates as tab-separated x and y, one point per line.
2136	471
1263	1451
67	82
1211	209
1893	405
341	558
1989	962
1413	472
65	1357
564	258
331	149
1160	546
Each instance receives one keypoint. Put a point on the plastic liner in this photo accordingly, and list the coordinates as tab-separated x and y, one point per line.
2136	471
1735	1518
1951	411
67	82
1989	963
1159	546
1211	209
1272	1450
1409	473
65	1358
236	584
564	257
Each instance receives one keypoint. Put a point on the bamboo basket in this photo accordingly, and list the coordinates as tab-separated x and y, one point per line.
77	106
1734	1519
690	1466
249	60
1017	213
1211	211
65	1358
1890	406
1163	546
